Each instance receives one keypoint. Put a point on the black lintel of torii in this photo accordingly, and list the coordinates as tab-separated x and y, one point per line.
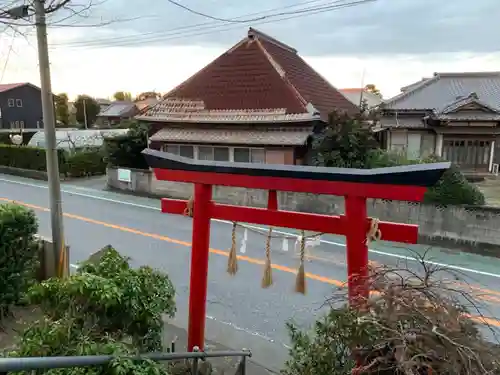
423	175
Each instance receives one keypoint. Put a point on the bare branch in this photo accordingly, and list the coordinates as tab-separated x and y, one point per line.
419	320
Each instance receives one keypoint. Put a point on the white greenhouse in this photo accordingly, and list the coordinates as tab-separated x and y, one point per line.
71	140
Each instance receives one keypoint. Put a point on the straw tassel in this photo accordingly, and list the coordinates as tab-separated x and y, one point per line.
300	281
232	262
374	234
267	279
189	210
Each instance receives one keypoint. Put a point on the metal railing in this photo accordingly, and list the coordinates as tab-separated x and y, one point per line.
46	363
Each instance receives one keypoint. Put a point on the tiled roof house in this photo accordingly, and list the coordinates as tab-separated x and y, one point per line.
257	102
453	115
117	111
357	95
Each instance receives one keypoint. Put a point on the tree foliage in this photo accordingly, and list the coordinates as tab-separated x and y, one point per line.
347	142
85	104
62	108
125	150
373	89
148	95
107	307
122	96
18	254
414	323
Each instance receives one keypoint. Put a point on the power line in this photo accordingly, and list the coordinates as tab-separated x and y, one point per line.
188	27
11	46
180	33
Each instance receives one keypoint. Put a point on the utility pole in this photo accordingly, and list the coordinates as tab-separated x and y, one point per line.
49	122
85	112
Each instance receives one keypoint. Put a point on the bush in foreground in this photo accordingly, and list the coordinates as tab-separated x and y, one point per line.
18	254
107	307
412	324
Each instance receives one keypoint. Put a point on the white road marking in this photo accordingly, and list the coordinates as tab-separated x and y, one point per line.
138	205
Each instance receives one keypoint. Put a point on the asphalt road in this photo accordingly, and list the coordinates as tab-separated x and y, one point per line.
239	313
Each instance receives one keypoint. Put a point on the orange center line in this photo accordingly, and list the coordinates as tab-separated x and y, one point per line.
312	276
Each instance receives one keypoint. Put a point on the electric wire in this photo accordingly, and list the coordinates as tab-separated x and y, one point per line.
176	33
9	52
198	26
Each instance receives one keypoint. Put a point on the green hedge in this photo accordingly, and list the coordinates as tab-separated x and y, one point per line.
25	157
85	163
18	254
89	162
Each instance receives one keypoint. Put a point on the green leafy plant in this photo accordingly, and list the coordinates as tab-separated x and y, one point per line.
326	348
88	162
26	157
346	142
107	307
125	150
66	337
87	109
18	254
113	298
61	103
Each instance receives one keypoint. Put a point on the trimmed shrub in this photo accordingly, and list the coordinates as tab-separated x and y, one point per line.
85	163
112	298
107	307
18	254
26	157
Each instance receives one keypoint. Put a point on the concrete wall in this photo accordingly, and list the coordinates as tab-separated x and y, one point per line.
457	227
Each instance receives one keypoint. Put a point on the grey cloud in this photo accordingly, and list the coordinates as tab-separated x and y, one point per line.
383	27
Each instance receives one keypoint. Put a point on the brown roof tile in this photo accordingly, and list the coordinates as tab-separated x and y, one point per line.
225	136
261	73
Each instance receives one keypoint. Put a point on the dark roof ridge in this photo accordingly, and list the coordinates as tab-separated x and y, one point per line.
466	74
411	89
253	33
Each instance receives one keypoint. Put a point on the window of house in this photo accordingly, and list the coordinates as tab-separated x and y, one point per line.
11	102
205	153
19	103
21	124
182	150
399	141
186	151
221	154
249	155
414	145
213	153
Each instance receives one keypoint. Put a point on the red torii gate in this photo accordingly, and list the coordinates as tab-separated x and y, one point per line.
407	183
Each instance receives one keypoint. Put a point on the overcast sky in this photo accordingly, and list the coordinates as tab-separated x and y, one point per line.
378	27
394	41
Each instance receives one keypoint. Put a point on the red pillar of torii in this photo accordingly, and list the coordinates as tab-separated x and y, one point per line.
406	183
